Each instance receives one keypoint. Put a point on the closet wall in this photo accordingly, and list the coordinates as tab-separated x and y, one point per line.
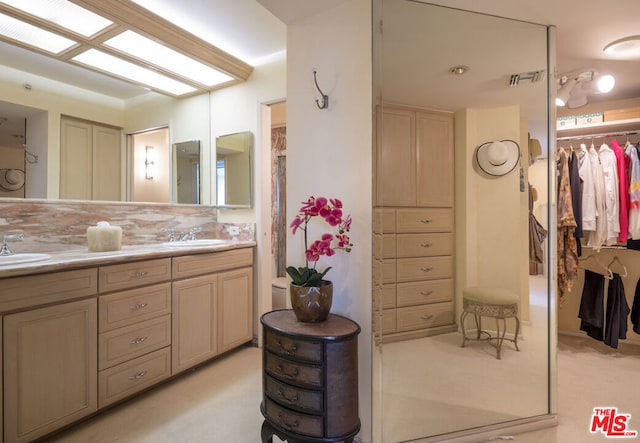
598	260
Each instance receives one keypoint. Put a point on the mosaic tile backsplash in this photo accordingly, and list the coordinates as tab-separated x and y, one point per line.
60	225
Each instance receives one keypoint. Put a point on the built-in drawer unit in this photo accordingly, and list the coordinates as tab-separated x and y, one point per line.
424	220
426	316
128	307
200	264
134	274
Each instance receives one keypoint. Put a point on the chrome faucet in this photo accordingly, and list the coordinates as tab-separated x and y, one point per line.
172	233
191	235
4	248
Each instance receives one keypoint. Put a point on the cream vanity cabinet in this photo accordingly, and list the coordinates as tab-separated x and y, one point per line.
212	305
49	353
413	239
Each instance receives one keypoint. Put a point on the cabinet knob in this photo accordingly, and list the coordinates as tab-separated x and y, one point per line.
425	293
137	341
427	317
283	395
291	376
426	245
138	306
138	376
425	269
138	274
426	220
282	421
284	350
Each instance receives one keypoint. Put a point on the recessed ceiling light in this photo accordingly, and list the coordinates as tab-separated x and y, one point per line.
624	47
459	70
33	36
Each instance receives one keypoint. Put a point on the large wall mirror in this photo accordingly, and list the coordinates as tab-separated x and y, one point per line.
448	81
233	170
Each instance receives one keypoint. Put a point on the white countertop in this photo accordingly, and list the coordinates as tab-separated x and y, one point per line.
80	258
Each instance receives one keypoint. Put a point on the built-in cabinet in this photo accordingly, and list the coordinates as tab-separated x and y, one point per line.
413	241
90	160
80	340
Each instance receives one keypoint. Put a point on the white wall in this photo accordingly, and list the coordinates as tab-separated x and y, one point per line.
329	154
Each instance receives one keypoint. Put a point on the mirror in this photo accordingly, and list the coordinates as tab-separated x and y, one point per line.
233	170
186	172
427	384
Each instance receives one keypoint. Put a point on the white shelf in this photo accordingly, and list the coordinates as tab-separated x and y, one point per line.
603	129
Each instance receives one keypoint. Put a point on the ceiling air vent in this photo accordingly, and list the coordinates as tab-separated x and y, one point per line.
534	76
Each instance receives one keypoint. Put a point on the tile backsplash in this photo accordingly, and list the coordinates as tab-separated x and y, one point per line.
59	225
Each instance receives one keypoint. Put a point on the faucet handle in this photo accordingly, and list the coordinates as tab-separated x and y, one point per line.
193	231
9	235
172	233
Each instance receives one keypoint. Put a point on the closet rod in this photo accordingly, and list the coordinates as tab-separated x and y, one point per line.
599	135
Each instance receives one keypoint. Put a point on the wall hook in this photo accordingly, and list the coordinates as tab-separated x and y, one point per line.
323	102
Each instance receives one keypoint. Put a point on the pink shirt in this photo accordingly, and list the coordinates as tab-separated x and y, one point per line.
623	191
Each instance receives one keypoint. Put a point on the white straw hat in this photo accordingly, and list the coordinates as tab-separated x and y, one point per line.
11	179
498	157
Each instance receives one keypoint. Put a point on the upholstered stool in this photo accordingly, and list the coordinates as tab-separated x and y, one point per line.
498	303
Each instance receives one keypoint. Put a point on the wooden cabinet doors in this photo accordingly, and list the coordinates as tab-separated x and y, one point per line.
235	308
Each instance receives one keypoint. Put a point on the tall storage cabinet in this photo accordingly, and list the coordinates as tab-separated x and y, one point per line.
90	161
413	247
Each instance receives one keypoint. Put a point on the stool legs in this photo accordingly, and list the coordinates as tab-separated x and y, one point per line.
500	332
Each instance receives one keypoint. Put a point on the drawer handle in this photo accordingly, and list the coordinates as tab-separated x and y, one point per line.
426	220
427	317
425	269
425	293
138	306
291	376
291	351
138	376
293	425
426	245
293	399
138	274
137	341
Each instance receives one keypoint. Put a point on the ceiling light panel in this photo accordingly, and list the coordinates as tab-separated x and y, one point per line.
33	36
148	50
63	13
114	65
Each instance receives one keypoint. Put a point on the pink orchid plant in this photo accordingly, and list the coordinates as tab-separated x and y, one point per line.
331	211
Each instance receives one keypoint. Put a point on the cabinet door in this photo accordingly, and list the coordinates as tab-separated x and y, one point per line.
395	158
50	373
76	159
434	139
235	308
107	165
193	329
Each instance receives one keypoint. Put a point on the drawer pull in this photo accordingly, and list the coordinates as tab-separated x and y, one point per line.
138	376
427	317
425	293
137	341
291	376
425	269
293	425
138	306
291	351
426	220
138	274
292	399
426	245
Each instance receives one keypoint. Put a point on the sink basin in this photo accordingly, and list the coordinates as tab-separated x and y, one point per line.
16	259
200	242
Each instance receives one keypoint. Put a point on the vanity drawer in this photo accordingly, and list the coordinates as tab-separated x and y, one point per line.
199	264
129	307
311	425
33	290
424	220
131	275
292	348
135	375
424	245
133	341
424	292
293	372
297	398
412	269
422	317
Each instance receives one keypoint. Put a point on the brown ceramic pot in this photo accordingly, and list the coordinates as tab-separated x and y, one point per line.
311	304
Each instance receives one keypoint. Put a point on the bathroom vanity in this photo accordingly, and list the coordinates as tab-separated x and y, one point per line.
83	331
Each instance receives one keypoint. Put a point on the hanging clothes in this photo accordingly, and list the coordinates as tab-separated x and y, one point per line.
617	313
623	191
588	190
537	234
634	191
567	248
635	310
591	311
597	238
575	182
612	202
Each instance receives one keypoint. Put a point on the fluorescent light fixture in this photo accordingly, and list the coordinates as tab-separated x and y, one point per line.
150	51
564	93
122	68
63	13
624	47
33	36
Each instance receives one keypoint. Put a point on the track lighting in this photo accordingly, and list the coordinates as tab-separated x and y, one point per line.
575	88
564	93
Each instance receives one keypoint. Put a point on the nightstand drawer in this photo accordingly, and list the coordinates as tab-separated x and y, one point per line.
294	348
129	307
310	425
296	398
292	372
422	317
133	341
424	292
